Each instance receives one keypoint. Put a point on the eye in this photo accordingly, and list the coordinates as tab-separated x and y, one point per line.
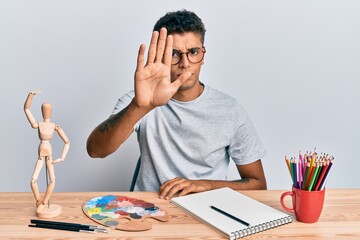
176	53
194	51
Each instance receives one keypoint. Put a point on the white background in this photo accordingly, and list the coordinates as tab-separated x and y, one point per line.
293	65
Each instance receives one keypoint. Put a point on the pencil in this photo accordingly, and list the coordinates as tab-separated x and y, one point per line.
62	227
295	173
288	164
67	226
292	171
230	216
314	176
321	177
306	175
311	171
321	166
310	175
322	185
301	170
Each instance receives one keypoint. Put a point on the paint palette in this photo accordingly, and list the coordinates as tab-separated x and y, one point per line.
123	213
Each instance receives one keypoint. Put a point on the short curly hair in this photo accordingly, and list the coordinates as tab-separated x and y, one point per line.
181	21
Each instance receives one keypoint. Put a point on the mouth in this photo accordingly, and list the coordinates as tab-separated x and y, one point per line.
178	75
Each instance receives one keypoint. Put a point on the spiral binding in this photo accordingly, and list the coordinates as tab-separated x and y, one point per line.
260	227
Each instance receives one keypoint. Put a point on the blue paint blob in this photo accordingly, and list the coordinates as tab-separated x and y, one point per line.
135	216
152	208
111	223
98	216
106	199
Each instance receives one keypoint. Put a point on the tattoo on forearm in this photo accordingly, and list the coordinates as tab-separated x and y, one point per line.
108	124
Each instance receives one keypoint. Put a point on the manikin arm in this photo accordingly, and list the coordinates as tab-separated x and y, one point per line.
66	145
28	113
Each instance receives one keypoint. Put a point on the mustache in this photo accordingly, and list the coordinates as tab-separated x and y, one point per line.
180	73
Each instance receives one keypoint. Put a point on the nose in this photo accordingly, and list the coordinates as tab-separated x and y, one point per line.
184	62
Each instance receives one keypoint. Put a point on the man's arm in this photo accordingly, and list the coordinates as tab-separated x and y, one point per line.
110	134
252	178
153	87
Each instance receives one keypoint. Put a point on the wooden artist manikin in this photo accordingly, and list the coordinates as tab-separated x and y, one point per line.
45	129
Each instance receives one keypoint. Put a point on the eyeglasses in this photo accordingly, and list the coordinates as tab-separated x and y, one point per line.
194	55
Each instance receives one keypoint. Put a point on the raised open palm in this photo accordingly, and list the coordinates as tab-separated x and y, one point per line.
153	86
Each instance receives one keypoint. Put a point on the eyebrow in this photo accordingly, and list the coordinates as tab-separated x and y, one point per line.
174	49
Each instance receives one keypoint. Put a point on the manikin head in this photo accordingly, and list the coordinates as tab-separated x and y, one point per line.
46	109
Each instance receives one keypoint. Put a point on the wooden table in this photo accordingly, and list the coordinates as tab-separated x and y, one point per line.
340	218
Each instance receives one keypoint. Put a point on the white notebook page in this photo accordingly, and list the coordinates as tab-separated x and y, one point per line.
232	202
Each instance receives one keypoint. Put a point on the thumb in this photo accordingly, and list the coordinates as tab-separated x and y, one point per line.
181	80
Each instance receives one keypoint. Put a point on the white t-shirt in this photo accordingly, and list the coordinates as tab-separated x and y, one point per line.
194	139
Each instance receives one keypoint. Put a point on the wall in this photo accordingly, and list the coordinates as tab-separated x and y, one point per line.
293	65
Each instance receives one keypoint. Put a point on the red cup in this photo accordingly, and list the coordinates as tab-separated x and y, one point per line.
307	205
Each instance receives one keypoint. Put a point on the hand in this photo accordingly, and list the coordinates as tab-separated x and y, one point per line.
35	92
153	85
182	186
57	160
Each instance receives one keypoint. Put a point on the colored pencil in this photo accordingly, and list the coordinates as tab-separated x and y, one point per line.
321	175
301	169
310	176
307	170
322	184
314	176
295	173
288	164
311	171
317	174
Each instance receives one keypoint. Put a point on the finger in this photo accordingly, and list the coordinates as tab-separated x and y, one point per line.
168	50
168	185
152	48
161	45
169	182
176	189
187	190
165	187
140	58
180	81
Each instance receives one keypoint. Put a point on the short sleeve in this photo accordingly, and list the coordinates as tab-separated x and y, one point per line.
123	102
246	146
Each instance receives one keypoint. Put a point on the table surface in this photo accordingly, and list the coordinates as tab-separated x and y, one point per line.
340	218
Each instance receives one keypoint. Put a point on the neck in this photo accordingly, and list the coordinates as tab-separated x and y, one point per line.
186	95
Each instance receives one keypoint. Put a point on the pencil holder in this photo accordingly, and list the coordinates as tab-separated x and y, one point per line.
307	205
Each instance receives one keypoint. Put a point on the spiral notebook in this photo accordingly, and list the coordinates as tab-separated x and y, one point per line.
231	206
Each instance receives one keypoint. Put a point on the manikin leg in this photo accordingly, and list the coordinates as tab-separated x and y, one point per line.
33	183
50	187
45	209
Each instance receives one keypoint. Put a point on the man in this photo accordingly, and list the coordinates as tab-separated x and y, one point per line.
186	130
